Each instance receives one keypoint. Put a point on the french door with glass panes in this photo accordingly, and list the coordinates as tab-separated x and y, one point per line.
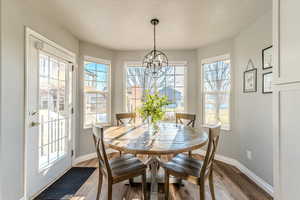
49	110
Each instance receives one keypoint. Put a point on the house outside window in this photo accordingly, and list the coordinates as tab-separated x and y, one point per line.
96	92
172	85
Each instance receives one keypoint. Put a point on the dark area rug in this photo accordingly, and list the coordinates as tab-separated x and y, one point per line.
66	186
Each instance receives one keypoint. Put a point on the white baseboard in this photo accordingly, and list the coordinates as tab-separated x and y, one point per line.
259	181
221	158
84	158
89	156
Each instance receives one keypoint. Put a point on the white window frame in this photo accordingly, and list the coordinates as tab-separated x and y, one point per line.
139	64
99	61
211	60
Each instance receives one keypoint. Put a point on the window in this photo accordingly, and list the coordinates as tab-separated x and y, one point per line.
96	91
54	115
216	91
171	85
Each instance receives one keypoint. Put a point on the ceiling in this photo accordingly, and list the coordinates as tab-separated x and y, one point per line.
125	24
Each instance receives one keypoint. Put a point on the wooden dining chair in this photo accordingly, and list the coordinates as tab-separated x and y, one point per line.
117	169
121	116
193	170
191	119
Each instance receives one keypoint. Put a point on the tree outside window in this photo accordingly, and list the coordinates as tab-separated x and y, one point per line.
216	92
171	85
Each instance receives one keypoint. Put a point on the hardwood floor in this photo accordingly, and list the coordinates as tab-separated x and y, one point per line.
230	184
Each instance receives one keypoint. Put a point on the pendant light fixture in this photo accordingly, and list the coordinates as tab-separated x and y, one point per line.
155	60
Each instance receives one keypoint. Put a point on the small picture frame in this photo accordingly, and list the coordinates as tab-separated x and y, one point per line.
267	83
250	80
267	58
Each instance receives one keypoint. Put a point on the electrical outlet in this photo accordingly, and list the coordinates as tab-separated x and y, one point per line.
249	154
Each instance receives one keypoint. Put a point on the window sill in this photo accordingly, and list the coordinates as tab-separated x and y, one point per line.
226	129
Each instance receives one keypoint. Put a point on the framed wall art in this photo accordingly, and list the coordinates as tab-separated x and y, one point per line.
267	58
250	78
267	83
250	81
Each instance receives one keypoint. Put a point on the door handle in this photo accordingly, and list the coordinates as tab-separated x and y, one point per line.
34	113
33	124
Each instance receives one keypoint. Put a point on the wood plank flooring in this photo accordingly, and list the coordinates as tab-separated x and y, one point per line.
230	184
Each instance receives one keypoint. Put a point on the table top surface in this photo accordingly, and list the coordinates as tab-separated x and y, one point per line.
170	139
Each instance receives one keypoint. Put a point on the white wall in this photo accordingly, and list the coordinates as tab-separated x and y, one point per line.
16	14
254	110
84	136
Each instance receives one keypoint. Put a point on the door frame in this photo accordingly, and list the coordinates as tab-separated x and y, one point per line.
28	33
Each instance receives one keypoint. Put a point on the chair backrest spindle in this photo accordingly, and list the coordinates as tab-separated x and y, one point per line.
101	152
214	135
190	117
120	116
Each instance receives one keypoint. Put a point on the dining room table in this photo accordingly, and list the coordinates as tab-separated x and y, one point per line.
143	139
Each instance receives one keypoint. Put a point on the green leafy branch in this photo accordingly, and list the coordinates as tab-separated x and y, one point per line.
153	107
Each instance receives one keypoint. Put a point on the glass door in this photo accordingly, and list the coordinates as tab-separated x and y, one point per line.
49	105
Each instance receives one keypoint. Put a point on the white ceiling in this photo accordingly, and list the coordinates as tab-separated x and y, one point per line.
125	24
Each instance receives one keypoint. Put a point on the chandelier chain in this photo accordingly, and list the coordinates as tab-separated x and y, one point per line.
154	37
155	60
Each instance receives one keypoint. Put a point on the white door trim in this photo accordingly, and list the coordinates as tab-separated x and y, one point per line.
276	99
72	56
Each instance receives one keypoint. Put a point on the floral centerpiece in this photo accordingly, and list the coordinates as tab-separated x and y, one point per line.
152	109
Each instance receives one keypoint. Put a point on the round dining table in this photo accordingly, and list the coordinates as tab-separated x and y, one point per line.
170	138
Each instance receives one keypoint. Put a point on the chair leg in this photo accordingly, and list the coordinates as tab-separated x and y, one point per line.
109	190
100	180
179	182
131	181
158	166
144	185
190	154
202	190
120	152
211	185
166	185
